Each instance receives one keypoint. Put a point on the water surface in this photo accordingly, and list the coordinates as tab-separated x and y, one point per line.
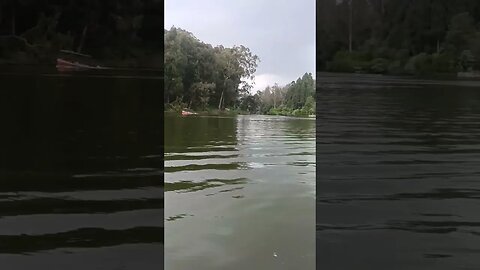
239	193
398	165
81	162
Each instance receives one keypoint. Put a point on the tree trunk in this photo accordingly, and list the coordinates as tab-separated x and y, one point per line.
190	103
220	104
350	26
82	40
274	100
221	101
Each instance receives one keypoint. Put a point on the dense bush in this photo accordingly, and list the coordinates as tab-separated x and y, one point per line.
395	67
379	65
419	64
444	63
344	61
411	37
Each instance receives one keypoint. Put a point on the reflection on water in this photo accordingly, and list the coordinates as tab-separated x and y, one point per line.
81	168
239	193
398	166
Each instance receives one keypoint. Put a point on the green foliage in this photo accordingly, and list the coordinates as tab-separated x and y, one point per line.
200	94
294	99
466	60
298	92
342	62
117	33
395	67
177	105
398	36
475	49
419	64
443	63
204	76
250	104
310	105
379	65
345	61
461	29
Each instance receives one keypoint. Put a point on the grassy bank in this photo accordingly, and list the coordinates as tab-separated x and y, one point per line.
216	112
303	112
212	112
422	64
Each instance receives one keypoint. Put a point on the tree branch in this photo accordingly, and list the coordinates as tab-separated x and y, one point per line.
21	39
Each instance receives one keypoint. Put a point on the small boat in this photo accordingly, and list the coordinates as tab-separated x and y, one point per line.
63	64
72	61
186	113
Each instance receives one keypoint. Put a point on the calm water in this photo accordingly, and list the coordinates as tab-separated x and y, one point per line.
240	193
81	183
398	180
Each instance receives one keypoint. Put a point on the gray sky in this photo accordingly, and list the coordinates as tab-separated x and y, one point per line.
280	32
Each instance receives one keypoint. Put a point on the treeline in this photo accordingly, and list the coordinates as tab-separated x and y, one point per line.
200	76
203	77
294	99
127	33
398	36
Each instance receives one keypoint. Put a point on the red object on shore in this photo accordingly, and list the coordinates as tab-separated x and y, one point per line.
67	65
185	113
73	61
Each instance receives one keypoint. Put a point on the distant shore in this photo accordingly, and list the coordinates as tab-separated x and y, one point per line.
474	76
216	112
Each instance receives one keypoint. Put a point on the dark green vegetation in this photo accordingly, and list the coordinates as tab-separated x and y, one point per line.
296	98
202	77
120	33
398	36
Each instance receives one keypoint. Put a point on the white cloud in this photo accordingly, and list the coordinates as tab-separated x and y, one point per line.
267	79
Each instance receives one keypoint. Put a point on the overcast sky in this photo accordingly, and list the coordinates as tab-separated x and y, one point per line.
280	32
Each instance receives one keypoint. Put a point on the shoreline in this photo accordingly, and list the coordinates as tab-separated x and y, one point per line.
235	113
432	76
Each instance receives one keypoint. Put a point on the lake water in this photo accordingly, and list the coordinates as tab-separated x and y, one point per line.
239	193
81	183
398	173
